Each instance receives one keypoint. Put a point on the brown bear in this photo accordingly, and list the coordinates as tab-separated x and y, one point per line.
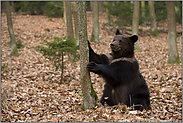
120	70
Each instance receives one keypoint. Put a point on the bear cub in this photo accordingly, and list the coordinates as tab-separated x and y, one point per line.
124	84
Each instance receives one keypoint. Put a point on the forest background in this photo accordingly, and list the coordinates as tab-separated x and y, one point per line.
30	87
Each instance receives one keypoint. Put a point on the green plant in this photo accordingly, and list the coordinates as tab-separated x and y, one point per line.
94	93
80	93
122	10
54	8
50	8
177	61
19	44
4	67
14	52
50	19
155	32
57	49
63	21
93	38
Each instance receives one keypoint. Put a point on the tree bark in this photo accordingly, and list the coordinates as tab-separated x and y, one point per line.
62	59
14	51
91	5
95	29
108	15
173	56
74	6
65	20
143	8
154	30
135	21
89	99
69	19
101	6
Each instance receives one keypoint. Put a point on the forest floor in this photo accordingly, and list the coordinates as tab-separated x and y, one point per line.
30	89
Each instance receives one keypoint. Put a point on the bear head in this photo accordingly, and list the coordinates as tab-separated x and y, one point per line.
123	46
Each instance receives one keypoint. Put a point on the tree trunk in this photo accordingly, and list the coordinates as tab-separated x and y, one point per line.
89	98
14	51
143	8
74	5
69	19
91	5
154	30
135	21
3	7
65	20
62	74
108	14
101	6
95	29
173	56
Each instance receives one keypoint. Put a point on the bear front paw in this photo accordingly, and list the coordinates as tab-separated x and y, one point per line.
92	66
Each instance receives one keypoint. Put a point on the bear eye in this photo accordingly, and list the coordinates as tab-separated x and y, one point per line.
120	41
113	40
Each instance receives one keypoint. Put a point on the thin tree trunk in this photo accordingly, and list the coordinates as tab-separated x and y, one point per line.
14	51
95	29
143	8
3	7
65	20
108	15
173	56
69	19
62	58
91	4
135	21
101	6
154	30
88	96
74	5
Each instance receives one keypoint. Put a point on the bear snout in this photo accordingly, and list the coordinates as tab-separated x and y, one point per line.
112	45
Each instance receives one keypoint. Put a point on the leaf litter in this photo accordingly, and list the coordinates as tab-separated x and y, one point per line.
30	89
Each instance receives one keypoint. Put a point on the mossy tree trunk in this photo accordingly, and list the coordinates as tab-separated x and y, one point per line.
89	99
135	22
69	19
14	51
173	56
95	29
74	6
154	30
65	20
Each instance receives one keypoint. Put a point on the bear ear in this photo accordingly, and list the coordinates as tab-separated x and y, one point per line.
134	38
118	32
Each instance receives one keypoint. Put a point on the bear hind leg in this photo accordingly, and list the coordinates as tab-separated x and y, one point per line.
107	96
140	103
